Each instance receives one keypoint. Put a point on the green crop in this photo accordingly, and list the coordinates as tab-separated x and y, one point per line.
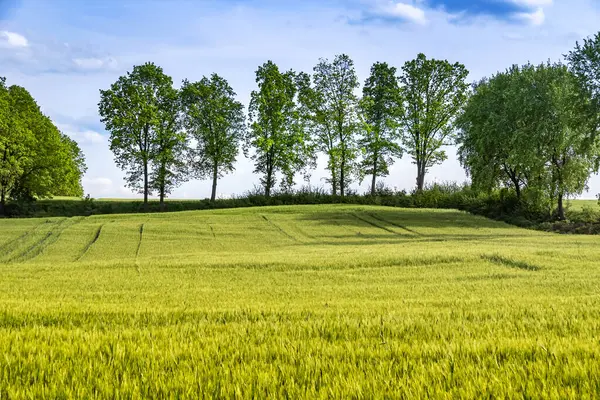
296	302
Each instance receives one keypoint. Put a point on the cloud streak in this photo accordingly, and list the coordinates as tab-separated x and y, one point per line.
13	40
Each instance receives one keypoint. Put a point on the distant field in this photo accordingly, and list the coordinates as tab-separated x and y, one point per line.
297	302
578	205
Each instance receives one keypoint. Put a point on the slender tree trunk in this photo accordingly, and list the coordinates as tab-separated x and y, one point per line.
334	181
269	180
213	195
342	178
162	197
374	181
561	209
420	175
3	201
145	185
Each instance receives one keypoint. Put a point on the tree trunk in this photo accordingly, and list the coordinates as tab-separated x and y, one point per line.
3	201
561	210
342	173
374	181
269	182
162	197
213	195
145	185
420	176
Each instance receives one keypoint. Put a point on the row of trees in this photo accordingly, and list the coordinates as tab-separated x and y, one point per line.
532	128
36	159
162	136
535	128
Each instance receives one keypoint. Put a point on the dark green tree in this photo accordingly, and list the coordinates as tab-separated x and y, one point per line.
215	119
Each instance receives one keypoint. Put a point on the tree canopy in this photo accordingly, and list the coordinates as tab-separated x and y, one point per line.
36	159
433	93
275	129
216	121
141	112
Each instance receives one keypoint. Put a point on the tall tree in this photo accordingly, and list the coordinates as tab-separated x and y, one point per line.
275	131
135	112
381	110
433	93
331	106
169	150
569	143
215	119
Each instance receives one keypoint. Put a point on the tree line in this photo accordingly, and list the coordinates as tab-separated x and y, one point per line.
531	128
162	136
36	159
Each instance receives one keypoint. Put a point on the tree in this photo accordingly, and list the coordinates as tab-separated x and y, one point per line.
168	152
569	144
330	106
137	110
275	132
381	110
584	62
530	126
36	159
433	93
217	123
492	147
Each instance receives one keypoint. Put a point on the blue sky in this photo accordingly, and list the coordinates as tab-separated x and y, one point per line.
64	51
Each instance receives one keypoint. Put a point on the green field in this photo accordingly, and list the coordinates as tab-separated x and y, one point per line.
297	302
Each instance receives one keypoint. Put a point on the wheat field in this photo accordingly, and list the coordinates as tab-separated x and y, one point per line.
296	302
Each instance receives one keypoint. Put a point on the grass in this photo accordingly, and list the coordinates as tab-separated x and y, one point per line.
579	205
297	302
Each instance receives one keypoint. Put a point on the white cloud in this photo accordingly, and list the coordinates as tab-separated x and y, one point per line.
93	63
535	18
82	137
405	11
12	40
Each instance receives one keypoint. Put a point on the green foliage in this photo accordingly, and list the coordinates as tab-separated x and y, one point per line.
381	110
433	92
36	159
584	62
330	107
216	121
276	133
337	301
528	127
140	110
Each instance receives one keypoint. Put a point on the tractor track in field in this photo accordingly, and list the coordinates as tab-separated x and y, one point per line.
278	228
366	221
374	216
509	262
90	243
6	246
137	252
50	238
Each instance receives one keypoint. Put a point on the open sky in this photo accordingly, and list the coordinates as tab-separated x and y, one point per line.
65	51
